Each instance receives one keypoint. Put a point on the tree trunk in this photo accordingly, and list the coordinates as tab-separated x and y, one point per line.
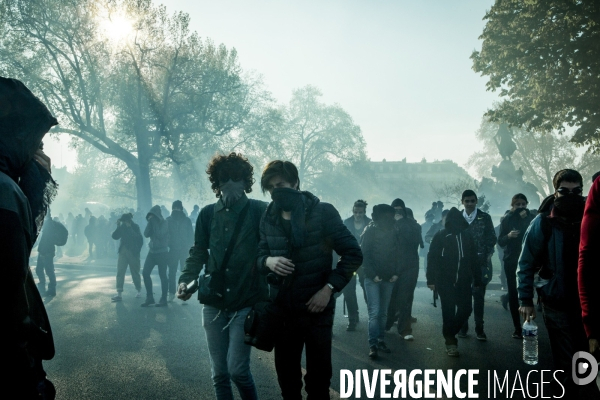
144	190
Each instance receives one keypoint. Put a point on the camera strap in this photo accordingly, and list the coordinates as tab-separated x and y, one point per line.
236	233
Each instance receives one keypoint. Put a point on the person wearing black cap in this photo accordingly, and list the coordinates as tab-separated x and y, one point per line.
408	236
181	238
131	242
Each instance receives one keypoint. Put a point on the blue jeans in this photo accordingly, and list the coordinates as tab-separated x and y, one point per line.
378	301
229	355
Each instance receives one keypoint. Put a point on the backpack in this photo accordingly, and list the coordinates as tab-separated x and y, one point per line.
539	265
61	234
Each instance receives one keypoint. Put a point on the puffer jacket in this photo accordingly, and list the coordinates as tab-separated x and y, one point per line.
158	231
325	232
381	255
452	257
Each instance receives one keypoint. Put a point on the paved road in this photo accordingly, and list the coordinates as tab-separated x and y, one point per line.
122	351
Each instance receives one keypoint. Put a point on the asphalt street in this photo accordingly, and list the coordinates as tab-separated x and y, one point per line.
120	350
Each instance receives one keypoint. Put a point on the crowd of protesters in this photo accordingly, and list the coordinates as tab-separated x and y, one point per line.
291	257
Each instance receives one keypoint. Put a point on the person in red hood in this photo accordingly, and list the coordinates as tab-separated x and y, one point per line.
588	271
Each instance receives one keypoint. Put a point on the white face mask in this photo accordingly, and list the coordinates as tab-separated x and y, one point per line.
231	191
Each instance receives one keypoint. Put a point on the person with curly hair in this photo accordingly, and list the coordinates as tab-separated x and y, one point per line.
230	229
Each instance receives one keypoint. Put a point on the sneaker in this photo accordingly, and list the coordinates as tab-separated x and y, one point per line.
481	336
373	352
382	347
409	338
171	297
116	298
517	334
162	302
149	302
462	334
452	350
138	295
351	327
504	301
413	319
51	291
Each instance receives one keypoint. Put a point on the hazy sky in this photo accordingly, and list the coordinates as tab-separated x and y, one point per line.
400	68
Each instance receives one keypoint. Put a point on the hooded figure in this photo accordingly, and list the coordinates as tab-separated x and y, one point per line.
181	239
158	232
26	190
451	268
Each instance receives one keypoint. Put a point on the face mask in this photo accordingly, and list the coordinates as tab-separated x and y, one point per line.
286	198
231	191
570	206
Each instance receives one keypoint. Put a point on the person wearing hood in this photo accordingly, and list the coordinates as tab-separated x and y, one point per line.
298	234
552	243
408	235
158	232
482	229
131	242
26	191
229	229
356	225
181	238
53	234
512	230
452	269
91	234
381	262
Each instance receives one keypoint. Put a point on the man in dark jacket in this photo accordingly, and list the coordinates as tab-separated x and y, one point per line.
158	232
482	229
355	224
512	230
297	236
128	232
552	243
54	234
233	218
452	268
381	262
26	190
408	235
181	238
91	234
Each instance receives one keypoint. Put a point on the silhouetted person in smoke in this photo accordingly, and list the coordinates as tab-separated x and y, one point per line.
429	217
91	234
435	228
26	189
408	236
194	214
482	229
181	239
438	211
158	232
452	268
356	225
54	234
512	231
131	241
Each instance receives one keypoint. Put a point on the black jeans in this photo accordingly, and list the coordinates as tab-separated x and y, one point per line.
153	259
567	336
402	300
176	257
456	310
510	269
45	266
349	293
314	332
478	295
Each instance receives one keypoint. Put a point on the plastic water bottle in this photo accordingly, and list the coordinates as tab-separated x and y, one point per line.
530	342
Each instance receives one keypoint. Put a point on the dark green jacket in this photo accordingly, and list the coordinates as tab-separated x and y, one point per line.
244	285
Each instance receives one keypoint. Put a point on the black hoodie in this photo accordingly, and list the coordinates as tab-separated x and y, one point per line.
157	230
452	257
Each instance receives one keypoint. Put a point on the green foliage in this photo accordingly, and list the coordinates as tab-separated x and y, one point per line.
544	58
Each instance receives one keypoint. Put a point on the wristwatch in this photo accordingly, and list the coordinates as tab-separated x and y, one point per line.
331	287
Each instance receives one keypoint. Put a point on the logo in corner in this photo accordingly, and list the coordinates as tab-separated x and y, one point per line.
584	368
